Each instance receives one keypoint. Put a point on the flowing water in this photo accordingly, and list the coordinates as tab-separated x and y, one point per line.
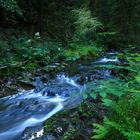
31	108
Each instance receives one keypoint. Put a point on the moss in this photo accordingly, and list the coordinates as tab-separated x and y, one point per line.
49	126
69	134
78	51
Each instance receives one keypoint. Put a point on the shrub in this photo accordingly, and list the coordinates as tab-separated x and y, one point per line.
86	25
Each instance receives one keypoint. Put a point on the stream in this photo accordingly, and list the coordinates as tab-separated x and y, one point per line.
26	111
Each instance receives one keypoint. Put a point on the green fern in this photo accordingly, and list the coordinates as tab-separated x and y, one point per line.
100	131
109	103
123	120
130	134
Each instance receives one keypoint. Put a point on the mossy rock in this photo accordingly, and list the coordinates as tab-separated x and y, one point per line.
75	123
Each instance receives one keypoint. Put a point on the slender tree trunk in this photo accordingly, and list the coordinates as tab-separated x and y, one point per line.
40	16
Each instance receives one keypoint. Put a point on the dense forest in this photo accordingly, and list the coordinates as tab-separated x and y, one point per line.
107	24
94	45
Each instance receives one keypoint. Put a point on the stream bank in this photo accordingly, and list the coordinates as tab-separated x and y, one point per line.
39	59
64	92
98	117
47	98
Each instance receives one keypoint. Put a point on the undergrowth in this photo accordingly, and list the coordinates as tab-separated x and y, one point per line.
29	54
122	101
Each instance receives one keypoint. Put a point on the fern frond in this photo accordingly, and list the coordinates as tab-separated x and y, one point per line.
100	131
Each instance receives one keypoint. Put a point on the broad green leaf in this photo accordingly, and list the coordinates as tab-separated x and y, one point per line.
103	94
85	96
108	102
93	95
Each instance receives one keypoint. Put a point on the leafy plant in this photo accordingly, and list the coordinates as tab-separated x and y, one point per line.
100	131
79	50
69	134
122	121
85	24
105	88
11	5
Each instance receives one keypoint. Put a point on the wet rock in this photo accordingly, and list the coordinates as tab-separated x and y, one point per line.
45	78
94	75
33	133
51	93
25	84
39	85
59	130
50	137
6	91
76	123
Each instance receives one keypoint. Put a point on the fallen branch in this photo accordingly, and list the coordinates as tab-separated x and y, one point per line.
13	65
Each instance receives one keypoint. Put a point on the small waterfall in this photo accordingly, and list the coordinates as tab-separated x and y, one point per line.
30	108
106	60
23	121
20	127
65	79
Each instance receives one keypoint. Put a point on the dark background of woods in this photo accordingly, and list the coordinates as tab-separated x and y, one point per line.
53	19
38	29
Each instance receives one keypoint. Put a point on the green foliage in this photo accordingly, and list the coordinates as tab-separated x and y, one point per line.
79	50
105	88
42	53
29	50
54	19
109	39
123	120
100	130
137	77
69	134
85	24
10	5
